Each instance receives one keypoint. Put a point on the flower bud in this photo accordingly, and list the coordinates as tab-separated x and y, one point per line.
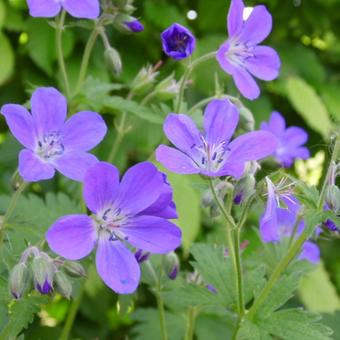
333	197
113	60
144	80
330	225
135	26
168	88
19	277
141	256
43	271
127	24
244	188
63	284
247	121
74	269
171	265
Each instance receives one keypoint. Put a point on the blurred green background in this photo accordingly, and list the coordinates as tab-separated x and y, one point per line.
306	34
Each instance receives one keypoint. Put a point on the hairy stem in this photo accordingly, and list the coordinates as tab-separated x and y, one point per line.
191	317
12	204
296	246
234	254
60	54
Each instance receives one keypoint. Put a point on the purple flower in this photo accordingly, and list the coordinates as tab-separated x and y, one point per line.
178	42
131	211
50	142
290	140
280	218
86	9
241	57
134	26
212	153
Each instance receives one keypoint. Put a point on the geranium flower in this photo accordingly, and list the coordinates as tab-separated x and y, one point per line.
280	218
241	57
212	153
50	142
290	140
85	9
178	42
131	211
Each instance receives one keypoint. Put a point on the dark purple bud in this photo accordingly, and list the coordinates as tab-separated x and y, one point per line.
238	198
211	289
171	265
178	42
141	256
173	274
45	288
329	224
134	26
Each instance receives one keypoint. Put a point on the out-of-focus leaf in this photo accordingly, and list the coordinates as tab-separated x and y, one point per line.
309	105
212	327
6	58
188	204
2	13
330	95
317	291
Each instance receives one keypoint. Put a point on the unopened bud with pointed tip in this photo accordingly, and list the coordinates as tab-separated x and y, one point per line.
18	280
171	265
43	272
63	284
128	24
74	269
168	88
333	198
244	188
113	60
144	80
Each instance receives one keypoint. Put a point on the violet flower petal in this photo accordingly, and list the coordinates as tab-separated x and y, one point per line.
85	9
117	266
32	168
235	17
101	184
20	122
152	234
295	136
49	109
83	131
220	121
43	8
72	236
245	83
310	252
176	161
74	164
276	124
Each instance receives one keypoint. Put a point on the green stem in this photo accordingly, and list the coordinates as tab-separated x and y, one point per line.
234	254
148	97
86	58
295	248
72	315
121	132
10	209
160	305
60	54
191	317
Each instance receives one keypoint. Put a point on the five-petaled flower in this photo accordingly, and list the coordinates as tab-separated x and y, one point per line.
178	42
240	55
85	9
281	219
50	142
133	211
212	153
290	140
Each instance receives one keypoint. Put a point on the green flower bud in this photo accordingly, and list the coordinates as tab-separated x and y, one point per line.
168	88
113	60
63	284
333	197
19	280
43	272
144	80
171	265
244	188
74	269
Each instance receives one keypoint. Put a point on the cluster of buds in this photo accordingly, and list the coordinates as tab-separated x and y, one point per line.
38	270
145	79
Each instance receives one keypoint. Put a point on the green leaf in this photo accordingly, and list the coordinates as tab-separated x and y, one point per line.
2	13
296	324
21	314
330	95
188	203
212	327
309	105
216	270
250	331
119	104
6	59
317	291
148	326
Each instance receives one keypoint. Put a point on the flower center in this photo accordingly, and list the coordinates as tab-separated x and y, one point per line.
238	53
210	156
50	145
110	220
179	42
